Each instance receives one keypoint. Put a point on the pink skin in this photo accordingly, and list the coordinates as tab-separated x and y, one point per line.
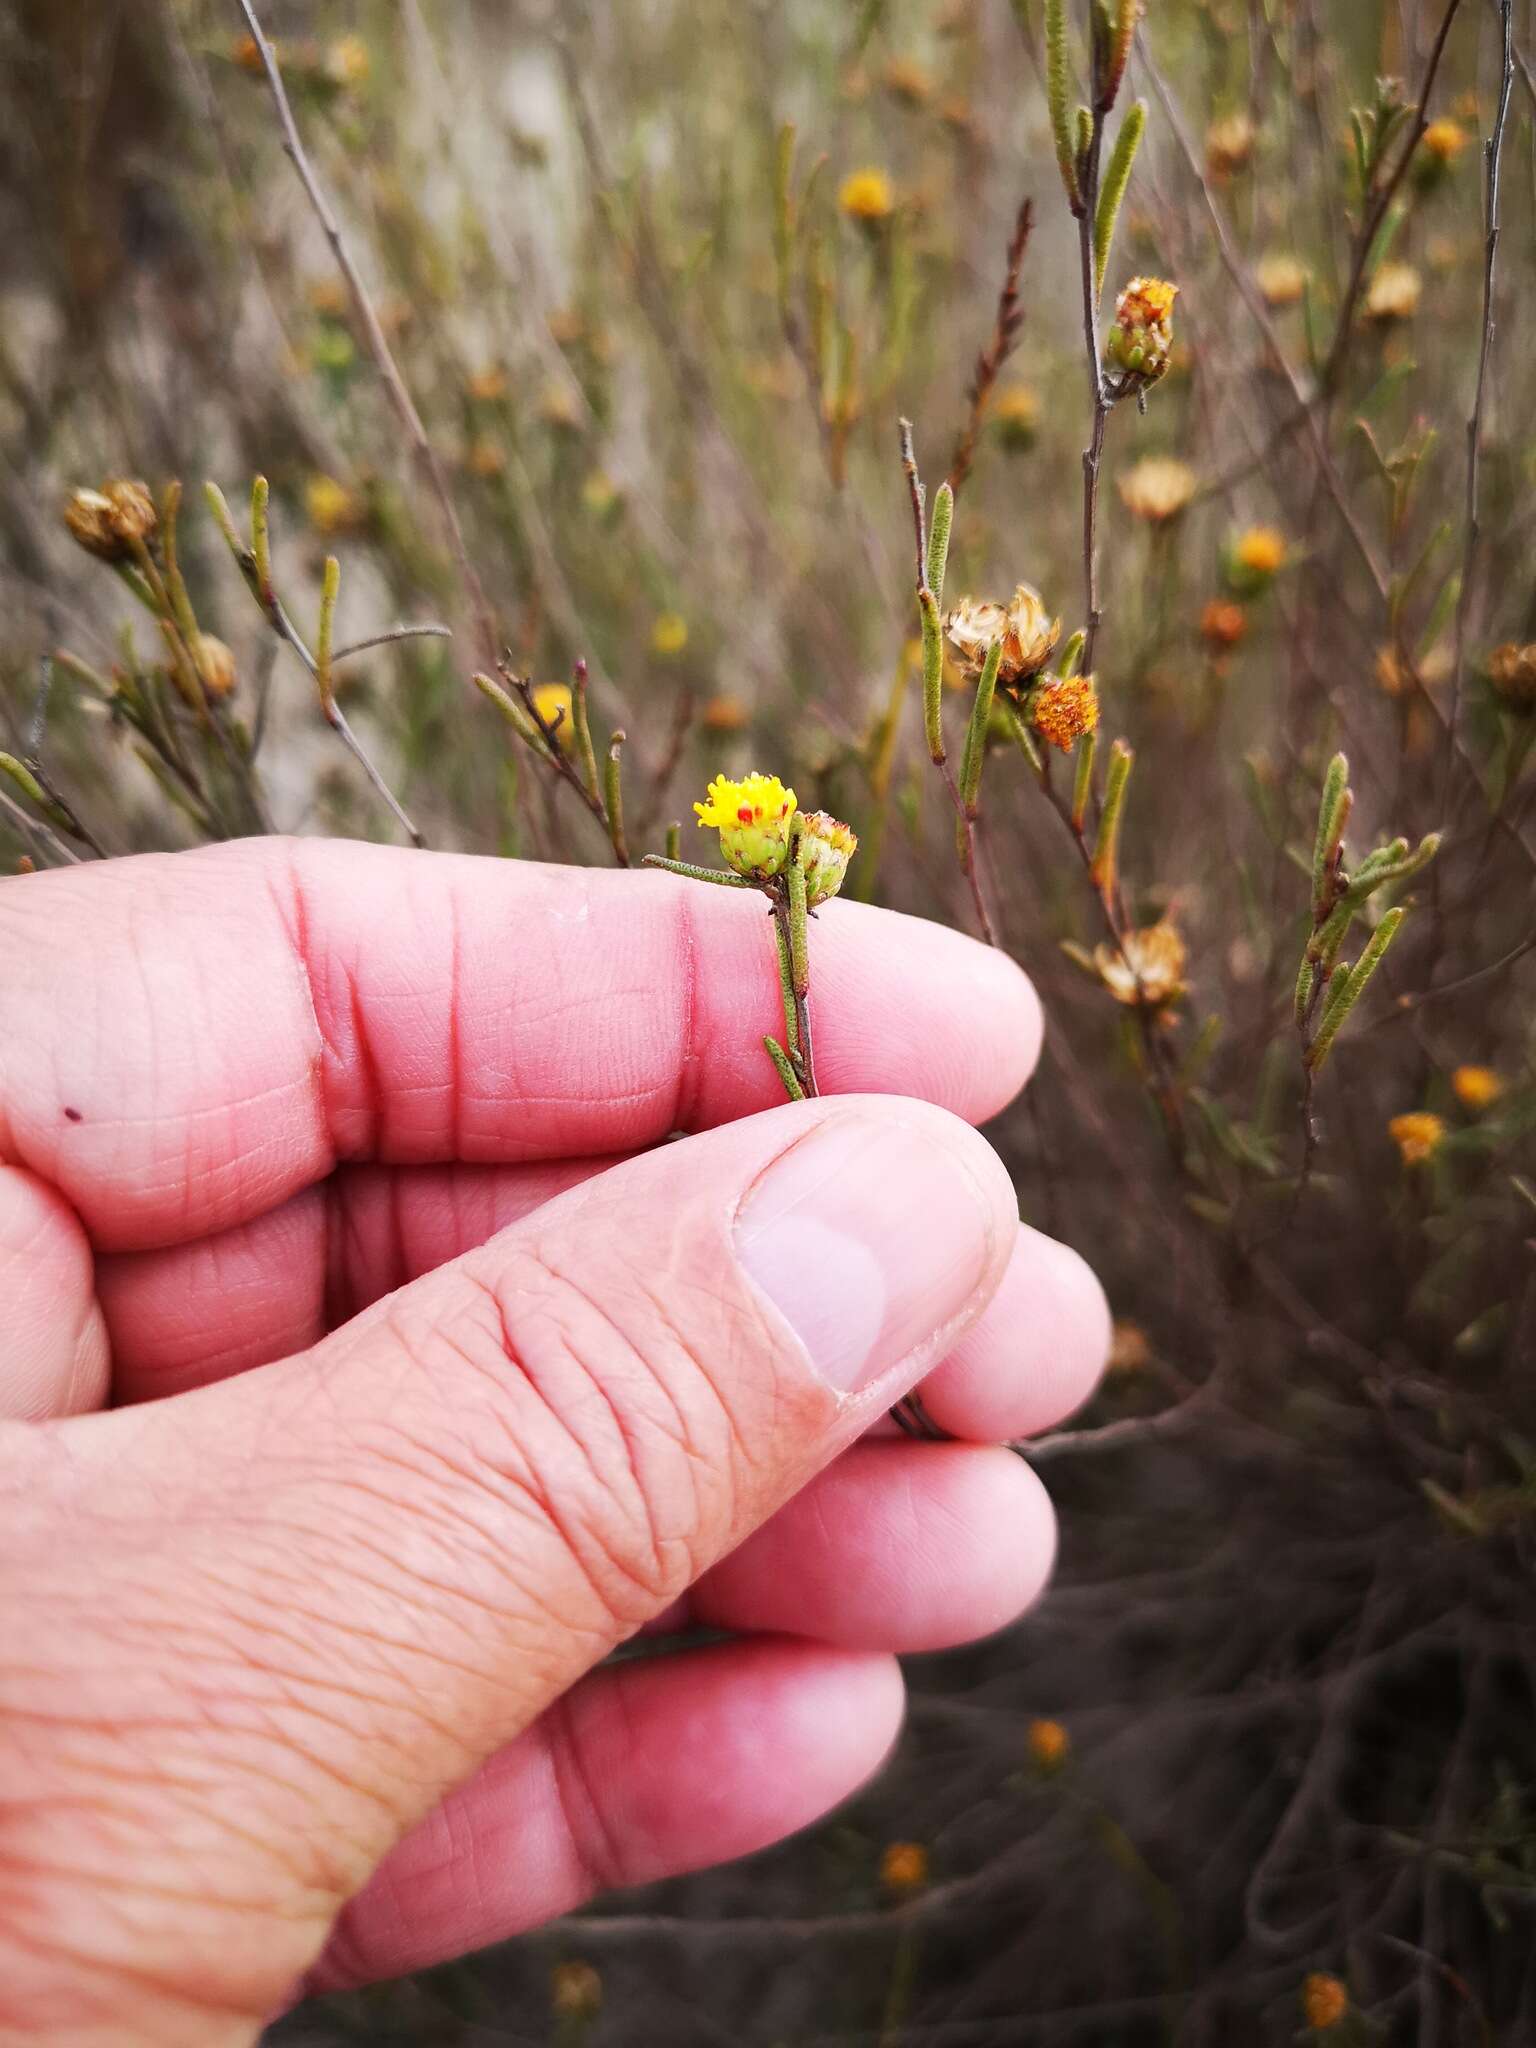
288	1079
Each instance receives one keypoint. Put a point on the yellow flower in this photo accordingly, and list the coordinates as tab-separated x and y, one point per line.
1016	416
1511	671
828	846
1324	2001
1417	1135
1148	968
669	635
904	1868
867	197
1222	624
752	817
347	61
1394	293
1141	340
1028	637
1048	1744
1254	558
1444	140
1063	708
1282	279
332	508
552	701
1228	145
1476	1087
1158	488
484	457
1129	1350
107	522
724	714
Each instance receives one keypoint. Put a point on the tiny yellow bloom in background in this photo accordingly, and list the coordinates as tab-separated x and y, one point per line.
1027	634
552	701
1228	145
1441	144
1476	1087
724	714
1063	708
1324	2001
827	847
1394	293
1511	673
347	62
1417	1134
1141	340
1148	969
487	385
575	1991
904	1868
1253	559
1158	488
1129	1348
1048	1744
1015	416
331	507
1282	279
752	817
867	196
669	635
485	457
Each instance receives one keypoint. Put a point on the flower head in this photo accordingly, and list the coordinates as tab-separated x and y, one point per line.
906	80
332	508
1512	674
827	847
1254	558
867	196
669	635
1158	488
1129	1348
1062	708
1228	145
1324	2001
1048	1744
1445	139
1146	968
904	1868
347	62
107	522
215	664
1282	279
1141	340
752	817
1222	624
575	1991
1394	293
1476	1087
1016	416
1028	637
552	702
1417	1135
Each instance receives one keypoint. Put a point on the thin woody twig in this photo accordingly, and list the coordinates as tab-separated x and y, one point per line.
990	360
378	346
430	629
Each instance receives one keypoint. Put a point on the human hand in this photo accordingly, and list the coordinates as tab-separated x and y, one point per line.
384	1403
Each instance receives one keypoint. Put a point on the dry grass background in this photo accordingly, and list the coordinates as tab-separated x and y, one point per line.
1291	1642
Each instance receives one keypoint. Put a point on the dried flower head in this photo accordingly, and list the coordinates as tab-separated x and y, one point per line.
1476	1088
1228	145
1158	488
1222	624
1324	2001
575	1991
669	635
868	197
1027	635
1394	293
1016	416
215	664
827	847
752	817
1512	675
107	522
1147	968
1062	708
1129	1348
1417	1135
1282	279
1141	339
1048	1744
904	1868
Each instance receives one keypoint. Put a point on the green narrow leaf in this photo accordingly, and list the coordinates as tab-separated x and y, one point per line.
933	675
1106	847
1338	1010
1332	814
1117	176
1082	781
976	731
1057	93
938	540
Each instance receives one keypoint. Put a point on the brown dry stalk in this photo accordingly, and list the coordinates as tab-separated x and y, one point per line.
991	358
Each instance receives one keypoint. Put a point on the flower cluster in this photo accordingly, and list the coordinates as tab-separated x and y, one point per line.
1062	709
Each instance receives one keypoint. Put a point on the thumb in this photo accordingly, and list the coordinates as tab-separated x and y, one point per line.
299	1605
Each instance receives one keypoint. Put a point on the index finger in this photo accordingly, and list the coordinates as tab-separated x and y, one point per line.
187	1040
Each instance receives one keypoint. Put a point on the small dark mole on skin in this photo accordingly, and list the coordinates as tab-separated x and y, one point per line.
74	1115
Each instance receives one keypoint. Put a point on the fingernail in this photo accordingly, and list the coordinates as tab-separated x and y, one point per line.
872	1235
